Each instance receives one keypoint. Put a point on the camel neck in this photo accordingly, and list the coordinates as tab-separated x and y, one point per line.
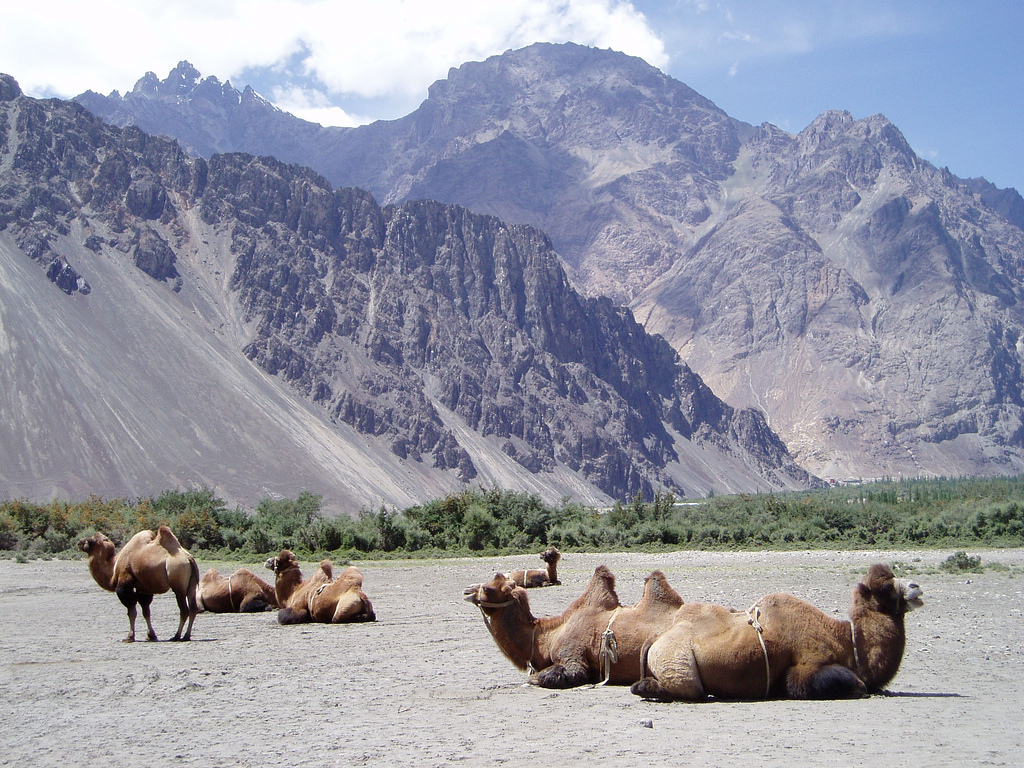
101	566
880	641
285	584
518	634
553	573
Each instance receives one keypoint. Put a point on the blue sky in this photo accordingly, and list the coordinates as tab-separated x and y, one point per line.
947	73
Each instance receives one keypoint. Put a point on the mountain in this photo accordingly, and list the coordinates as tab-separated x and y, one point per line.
868	302
239	323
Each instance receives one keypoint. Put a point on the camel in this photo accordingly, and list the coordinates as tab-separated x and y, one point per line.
149	564
596	639
784	647
320	598
241	592
535	577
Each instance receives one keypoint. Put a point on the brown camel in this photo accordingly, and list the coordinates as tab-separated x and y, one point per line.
149	564
596	639
320	598
784	647
536	577
241	592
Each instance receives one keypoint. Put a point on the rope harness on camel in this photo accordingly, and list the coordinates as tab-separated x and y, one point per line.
313	595
487	623
231	599
856	653
754	614
609	653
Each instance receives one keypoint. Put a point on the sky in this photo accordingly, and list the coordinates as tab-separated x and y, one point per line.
948	73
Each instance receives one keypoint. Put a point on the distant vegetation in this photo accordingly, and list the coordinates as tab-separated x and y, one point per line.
912	513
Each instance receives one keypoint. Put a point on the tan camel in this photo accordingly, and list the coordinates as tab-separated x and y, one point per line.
596	639
535	577
149	564
241	592
320	598
784	647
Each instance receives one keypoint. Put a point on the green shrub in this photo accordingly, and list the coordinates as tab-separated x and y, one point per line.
961	561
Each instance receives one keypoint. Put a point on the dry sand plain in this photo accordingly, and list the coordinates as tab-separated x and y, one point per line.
425	685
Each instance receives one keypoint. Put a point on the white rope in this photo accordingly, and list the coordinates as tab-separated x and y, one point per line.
754	612
609	653
856	653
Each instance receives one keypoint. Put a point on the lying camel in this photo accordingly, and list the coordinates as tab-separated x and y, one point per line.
320	598
241	592
595	639
784	647
536	577
149	564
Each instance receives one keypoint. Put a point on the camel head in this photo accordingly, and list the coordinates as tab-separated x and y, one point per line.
97	545
499	592
551	555
283	562
881	590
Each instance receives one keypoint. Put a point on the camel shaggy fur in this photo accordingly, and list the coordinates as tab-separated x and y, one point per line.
321	598
149	564
596	639
535	577
241	592
784	647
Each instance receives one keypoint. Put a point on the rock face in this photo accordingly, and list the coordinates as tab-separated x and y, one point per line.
252	328
866	301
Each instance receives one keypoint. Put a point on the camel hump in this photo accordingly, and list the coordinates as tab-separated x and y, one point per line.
352	577
600	592
328	569
168	540
657	589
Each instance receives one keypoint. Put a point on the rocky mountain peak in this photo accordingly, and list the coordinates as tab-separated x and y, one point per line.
273	330
869	303
9	88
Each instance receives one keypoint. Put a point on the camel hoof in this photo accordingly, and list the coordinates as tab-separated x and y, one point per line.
651	689
129	639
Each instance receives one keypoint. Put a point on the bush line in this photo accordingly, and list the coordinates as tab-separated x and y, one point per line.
909	513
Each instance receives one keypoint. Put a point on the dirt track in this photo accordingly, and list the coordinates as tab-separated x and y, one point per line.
426	686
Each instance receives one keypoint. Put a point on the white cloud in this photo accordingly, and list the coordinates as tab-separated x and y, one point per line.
314	106
387	48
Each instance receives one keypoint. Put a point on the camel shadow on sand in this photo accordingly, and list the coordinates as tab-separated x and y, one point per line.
922	695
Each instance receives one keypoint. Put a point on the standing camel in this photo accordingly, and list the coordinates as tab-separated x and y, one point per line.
149	564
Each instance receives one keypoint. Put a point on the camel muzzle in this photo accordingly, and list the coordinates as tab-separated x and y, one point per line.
911	593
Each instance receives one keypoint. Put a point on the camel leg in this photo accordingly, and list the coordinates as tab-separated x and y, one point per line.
674	673
254	605
650	688
144	602
352	608
293	616
186	612
126	594
568	675
834	681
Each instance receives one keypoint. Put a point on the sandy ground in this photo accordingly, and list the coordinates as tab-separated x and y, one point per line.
426	686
